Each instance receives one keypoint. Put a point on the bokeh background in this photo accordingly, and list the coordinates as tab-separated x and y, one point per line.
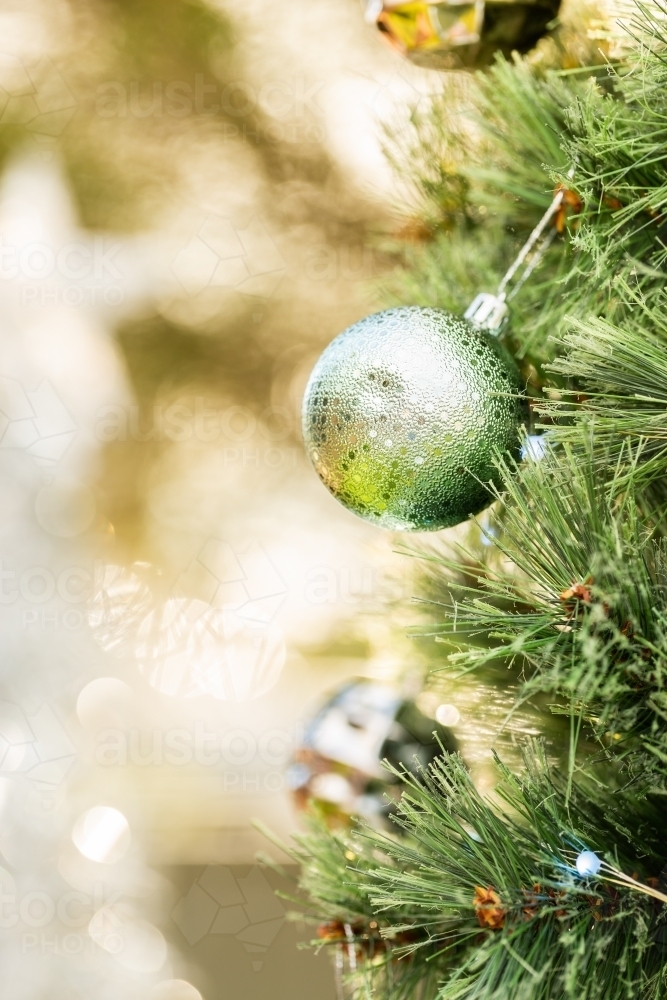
192	204
194	201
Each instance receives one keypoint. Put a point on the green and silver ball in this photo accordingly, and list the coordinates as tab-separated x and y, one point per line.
404	414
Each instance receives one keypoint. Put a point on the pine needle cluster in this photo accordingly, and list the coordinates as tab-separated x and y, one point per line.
555	886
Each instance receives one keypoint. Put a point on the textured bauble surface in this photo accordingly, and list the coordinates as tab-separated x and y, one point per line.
451	34
404	413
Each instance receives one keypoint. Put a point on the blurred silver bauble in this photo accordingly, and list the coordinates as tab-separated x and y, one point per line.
450	34
404	414
339	763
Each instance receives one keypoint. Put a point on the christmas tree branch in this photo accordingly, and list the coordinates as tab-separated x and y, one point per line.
491	897
577	593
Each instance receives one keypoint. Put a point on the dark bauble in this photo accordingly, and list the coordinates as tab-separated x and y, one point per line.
339	764
451	34
404	414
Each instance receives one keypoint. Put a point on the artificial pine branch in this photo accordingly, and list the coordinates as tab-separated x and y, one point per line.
486	898
476	899
526	132
579	595
617	395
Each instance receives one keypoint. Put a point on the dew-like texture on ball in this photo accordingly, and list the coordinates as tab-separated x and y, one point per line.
404	413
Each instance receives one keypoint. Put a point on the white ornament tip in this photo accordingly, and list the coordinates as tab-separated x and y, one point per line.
588	863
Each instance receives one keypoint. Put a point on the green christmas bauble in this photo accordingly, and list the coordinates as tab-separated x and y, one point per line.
404	413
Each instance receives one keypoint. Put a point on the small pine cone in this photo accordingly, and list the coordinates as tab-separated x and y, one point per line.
333	930
577	593
489	909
